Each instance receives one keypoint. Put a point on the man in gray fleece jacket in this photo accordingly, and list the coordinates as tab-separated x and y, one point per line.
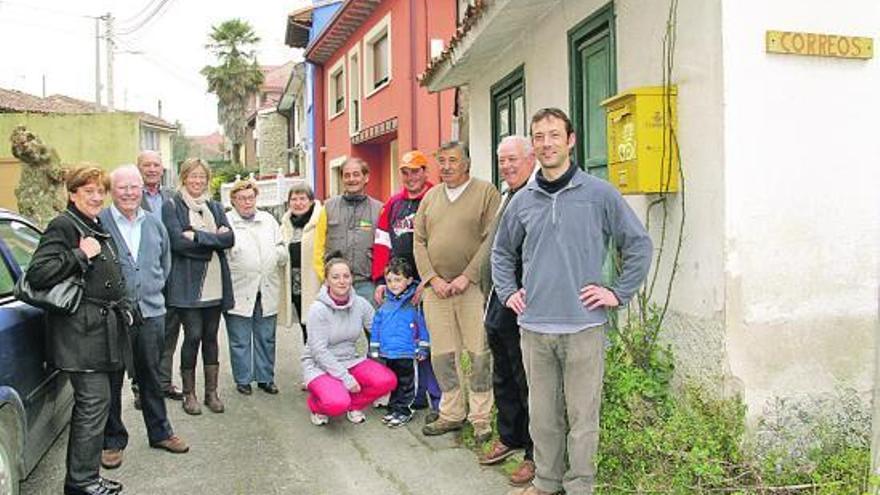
561	224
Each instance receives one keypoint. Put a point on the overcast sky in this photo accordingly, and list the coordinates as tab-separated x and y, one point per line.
52	38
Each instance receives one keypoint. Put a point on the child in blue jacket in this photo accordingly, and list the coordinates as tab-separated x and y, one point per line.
400	336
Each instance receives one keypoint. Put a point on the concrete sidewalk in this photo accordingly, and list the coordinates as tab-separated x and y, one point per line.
265	444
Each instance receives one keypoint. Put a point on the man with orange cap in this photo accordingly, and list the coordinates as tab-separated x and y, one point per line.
394	239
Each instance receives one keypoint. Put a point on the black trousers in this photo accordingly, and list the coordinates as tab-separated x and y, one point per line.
297	303
91	406
510	388
200	327
147	342
402	397
172	332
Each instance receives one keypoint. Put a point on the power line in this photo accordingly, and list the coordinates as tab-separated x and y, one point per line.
54	29
167	67
155	14
42	9
146	6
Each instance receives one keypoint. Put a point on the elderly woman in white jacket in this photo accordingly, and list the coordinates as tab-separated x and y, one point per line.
255	263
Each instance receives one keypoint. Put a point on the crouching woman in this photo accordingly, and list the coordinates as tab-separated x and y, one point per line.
339	380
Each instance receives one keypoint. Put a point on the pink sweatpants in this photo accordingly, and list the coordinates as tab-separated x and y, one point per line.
328	395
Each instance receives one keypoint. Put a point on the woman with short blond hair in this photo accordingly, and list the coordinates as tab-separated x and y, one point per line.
199	286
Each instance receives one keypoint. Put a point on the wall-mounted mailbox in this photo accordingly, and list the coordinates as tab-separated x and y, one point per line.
642	158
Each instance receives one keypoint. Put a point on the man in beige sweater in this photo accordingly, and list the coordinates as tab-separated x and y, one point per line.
450	242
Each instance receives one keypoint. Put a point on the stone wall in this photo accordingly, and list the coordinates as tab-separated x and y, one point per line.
271	142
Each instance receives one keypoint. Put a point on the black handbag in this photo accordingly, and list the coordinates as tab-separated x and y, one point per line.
63	297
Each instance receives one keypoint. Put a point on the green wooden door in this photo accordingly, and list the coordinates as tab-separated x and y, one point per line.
508	112
591	53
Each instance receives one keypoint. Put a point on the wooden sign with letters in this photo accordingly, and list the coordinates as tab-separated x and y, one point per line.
819	45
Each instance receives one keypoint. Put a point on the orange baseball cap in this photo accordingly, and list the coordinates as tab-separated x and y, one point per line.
413	159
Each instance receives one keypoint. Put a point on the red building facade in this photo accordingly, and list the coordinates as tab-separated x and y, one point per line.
368	102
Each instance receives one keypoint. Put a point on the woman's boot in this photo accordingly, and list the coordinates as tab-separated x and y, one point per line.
212	400
190	401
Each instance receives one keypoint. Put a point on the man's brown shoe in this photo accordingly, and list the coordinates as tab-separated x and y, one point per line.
111	458
173	444
497	453
440	427
523	474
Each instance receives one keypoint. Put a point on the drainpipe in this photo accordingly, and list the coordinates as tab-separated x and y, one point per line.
414	124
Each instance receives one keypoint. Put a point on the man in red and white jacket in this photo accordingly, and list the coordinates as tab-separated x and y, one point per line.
394	238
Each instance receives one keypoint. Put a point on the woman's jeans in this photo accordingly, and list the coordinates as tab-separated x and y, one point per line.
252	346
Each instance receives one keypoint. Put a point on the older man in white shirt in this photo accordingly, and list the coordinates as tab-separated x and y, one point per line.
255	263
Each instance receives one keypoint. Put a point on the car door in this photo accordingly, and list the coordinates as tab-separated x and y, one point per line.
23	344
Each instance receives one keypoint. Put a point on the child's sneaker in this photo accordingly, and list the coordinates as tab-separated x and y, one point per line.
356	416
319	419
388	417
399	420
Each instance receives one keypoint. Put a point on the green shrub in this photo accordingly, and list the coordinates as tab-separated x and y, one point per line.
654	439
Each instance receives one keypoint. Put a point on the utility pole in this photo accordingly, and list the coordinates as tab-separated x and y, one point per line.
109	44
44	85
98	64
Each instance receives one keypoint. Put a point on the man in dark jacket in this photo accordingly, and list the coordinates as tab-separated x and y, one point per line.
154	194
516	162
145	258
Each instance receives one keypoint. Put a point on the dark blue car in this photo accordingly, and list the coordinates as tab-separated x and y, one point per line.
35	399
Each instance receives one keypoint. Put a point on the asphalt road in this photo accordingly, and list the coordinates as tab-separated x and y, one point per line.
265	444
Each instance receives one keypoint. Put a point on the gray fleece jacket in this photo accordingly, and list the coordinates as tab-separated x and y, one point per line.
333	335
565	238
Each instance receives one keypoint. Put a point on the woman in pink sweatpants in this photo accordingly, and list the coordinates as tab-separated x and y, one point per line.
340	380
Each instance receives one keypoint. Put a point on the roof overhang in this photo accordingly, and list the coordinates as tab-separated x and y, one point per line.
485	32
293	88
345	21
299	25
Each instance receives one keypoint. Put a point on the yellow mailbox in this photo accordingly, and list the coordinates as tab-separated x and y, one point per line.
641	157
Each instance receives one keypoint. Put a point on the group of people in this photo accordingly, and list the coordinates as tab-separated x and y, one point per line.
468	300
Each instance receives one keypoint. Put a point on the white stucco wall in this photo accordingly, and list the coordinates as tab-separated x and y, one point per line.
695	324
801	195
777	283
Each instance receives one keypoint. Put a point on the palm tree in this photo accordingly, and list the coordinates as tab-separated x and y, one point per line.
234	78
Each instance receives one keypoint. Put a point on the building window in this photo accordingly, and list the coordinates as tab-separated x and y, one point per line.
508	112
149	139
377	55
336	89
354	89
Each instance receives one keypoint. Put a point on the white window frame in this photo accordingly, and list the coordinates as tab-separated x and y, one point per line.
377	31
355	52
334	181
337	68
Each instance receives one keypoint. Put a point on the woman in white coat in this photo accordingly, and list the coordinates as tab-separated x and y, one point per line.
255	263
300	287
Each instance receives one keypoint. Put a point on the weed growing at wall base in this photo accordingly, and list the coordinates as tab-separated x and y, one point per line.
654	439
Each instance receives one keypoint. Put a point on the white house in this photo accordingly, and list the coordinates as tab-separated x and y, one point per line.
776	291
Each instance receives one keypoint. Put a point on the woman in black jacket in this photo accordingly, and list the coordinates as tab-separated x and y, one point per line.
91	345
199	286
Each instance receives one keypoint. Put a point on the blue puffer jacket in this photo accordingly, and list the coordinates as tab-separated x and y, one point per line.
399	329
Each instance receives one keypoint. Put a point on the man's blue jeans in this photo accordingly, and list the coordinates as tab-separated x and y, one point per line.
252	346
